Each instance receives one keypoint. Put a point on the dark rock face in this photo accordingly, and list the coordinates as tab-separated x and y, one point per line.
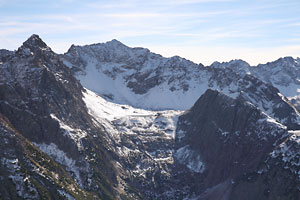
4	54
281	110
264	96
28	173
238	146
41	85
35	44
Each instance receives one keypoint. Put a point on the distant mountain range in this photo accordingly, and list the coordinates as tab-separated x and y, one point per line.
106	121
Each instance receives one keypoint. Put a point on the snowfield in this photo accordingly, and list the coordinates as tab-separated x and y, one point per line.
119	114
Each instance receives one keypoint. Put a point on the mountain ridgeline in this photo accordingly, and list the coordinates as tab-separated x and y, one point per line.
106	121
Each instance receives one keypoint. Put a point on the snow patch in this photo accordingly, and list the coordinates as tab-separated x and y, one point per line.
126	119
190	158
61	157
25	189
75	134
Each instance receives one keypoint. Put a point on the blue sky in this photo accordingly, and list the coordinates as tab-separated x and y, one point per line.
200	30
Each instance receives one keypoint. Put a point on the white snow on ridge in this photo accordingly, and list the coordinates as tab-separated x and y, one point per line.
24	187
291	91
104	109
99	80
75	134
157	98
61	157
123	118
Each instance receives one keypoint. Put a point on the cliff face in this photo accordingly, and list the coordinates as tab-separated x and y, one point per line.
236	144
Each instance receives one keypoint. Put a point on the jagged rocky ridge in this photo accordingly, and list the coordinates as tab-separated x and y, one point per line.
65	141
283	74
135	76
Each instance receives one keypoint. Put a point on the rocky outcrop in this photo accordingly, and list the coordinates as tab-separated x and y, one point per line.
283	74
238	147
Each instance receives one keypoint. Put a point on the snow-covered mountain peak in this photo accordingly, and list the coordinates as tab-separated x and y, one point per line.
239	66
283	63
287	60
115	43
240	62
284	74
128	75
116	46
109	52
140	78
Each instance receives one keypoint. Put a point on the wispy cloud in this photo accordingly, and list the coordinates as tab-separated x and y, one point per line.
134	3
215	28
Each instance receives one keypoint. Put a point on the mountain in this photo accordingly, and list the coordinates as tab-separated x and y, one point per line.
107	121
283	74
135	76
234	142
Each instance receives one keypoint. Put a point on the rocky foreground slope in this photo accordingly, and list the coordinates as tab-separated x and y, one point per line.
64	138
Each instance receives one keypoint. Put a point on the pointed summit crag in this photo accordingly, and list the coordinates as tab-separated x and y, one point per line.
35	41
34	44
